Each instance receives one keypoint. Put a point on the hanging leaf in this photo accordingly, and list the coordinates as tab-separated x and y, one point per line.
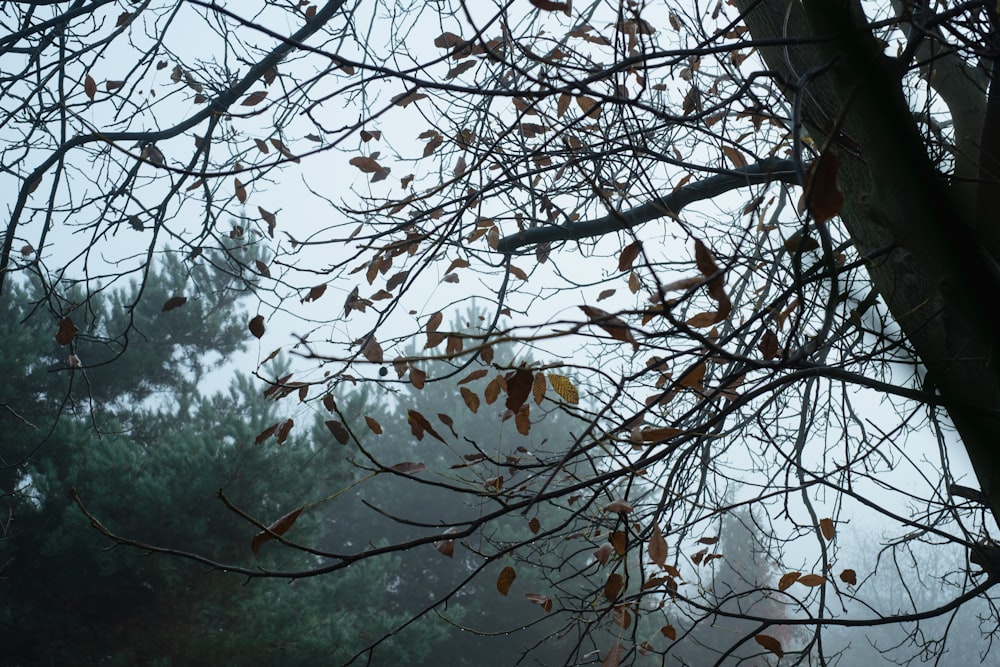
619	506
314	293
90	87
241	191
534	525
474	375
614	326
408	468
265	434
373	425
471	399
262	268
417	377
538	388
669	632
589	106
446	547
605	294
657	547
827	528
339	431
518	388
812	580
771	644
407	98
768	345
419	425
708	540
542	601
788	579
822	195
522	420
279	527
506	578
173	302
849	577
565	388
256	326
613	587
284	428
550	6
254	98
603	553
66	332
619	541
629	255
614	656
372	351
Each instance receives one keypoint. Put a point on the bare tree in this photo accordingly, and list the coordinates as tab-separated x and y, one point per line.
785	209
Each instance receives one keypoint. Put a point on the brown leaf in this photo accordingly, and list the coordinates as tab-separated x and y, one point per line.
518	388
173	302
708	540
619	541
419	425
619	506
522	419
542	601
407	98
256	326
771	644
506	578
812	580
603	553
828	529
314	293
768	345
417	377
538	388
474	375
550	6
735	156
471	399
629	255
373	425
67	331
614	656
254	98
241	191
372	351
90	87
262	268
534	525
669	632
822	194
265	434
284	428
614	326
408	468
434	322
849	577
788	579
279	527
657	547
605	294
339	431
613	587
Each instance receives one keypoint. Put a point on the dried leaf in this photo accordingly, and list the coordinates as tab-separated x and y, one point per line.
522	420
506	578
614	326
173	302
339	431
565	388
542	601
812	580
669	632
471	399
550	6
657	547
603	553
613	587
372	351
314	293
768	345
823	198
788	579
518	388
256	326
90	87
279	527
619	506
373	425
66	332
241	191
284	428
629	255
534	525
614	656
538	388
828	529
771	644
407	98
849	577
254	98
417	377
408	468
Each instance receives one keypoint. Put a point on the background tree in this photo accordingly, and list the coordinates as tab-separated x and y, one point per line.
644	156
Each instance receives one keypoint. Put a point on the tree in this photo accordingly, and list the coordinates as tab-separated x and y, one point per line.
643	156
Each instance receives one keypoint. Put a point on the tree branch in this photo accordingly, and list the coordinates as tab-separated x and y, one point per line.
765	171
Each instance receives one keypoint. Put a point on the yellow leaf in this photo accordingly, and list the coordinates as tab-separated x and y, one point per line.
564	387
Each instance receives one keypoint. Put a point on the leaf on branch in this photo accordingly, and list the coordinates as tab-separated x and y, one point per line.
538	388
339	431
407	98
550	6
534	525
849	577
708	540
565	388
812	580
254	98
90	87
657	547
256	326
768	345
619	506
614	326
613	587
788	579
279	527
314	293
471	399
828	528
614	656
822	196
590	107
408	468
603	553
522	419
419	425
771	644
629	255
542	601
241	191
669	632
113	85
619	540
735	156
417	377
372	351
66	332
605	294
173	302
518	388
265	434
284	428
506	579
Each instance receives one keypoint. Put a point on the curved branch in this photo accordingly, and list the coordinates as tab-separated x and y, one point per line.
765	171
